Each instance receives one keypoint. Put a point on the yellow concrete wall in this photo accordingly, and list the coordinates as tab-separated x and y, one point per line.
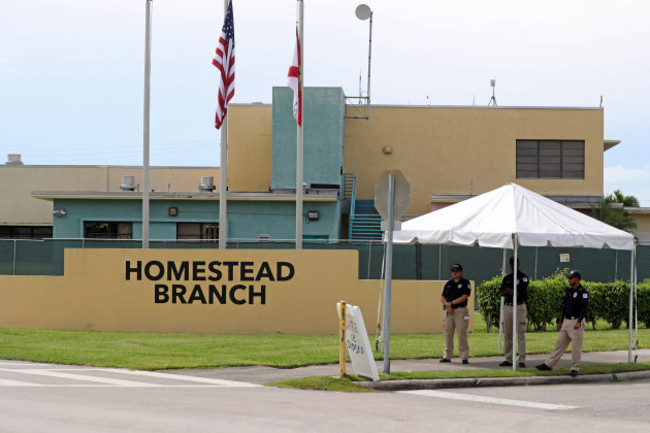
642	221
94	294
18	182
249	147
479	144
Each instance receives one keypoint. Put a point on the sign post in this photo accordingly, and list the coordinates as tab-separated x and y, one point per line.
391	200
342	325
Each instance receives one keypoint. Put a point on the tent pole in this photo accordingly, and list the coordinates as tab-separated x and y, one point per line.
515	269
503	274
636	302
630	318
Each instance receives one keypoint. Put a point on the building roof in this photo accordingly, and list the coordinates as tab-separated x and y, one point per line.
155	195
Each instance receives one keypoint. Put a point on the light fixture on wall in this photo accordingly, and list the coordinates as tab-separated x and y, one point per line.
173	211
313	215
58	212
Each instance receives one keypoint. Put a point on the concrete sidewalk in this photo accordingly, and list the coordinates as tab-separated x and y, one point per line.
272	374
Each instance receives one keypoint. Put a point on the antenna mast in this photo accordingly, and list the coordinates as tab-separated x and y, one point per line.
493	99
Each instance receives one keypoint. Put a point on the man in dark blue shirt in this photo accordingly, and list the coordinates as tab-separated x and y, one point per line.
571	325
454	300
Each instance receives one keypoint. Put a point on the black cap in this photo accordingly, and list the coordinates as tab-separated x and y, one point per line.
457	267
573	274
512	259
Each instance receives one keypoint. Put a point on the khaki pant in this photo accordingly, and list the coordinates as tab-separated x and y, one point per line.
458	322
568	335
522	323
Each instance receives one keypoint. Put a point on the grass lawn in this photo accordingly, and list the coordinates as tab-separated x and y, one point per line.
143	351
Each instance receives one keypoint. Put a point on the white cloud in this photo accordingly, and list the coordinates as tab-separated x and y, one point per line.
7	65
631	181
624	174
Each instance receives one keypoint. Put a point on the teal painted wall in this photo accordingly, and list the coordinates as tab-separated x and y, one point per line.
324	133
161	225
246	219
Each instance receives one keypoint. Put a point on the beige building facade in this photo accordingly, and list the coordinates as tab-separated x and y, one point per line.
446	153
18	181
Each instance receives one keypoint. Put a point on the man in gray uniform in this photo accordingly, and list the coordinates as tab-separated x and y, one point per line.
522	322
454	301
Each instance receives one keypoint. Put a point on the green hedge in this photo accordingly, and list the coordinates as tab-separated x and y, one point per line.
643	302
607	301
488	299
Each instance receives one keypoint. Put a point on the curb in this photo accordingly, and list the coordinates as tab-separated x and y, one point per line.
478	382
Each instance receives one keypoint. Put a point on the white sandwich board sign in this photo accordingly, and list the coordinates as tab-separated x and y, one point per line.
358	344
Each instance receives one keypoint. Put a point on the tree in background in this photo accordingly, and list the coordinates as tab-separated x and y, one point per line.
611	210
618	197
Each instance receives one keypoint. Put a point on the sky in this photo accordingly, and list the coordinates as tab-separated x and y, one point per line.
72	71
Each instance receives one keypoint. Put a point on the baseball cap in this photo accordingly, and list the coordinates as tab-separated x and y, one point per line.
457	267
573	274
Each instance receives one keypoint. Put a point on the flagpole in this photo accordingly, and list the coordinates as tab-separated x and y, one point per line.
299	147
223	188
145	128
223	175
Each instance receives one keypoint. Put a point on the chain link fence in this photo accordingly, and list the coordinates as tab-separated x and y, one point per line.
410	262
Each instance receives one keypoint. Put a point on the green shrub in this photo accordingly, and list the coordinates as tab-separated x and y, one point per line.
609	301
643	302
489	302
545	300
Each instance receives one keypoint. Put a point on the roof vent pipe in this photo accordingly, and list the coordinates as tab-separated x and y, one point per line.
128	183
207	184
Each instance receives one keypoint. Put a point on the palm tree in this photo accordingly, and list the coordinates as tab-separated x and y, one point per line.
611	210
618	197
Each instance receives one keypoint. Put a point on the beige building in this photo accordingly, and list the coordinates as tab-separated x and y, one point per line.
446	153
25	216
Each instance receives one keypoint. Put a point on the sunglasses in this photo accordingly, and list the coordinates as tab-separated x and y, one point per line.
455	270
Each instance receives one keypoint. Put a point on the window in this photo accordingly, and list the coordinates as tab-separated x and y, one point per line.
108	230
550	159
197	231
25	232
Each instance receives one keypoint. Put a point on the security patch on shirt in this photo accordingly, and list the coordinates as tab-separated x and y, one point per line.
585	296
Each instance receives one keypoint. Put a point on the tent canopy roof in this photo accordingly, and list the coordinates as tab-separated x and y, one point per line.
494	218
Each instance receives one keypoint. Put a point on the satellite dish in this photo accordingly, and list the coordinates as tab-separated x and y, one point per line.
363	12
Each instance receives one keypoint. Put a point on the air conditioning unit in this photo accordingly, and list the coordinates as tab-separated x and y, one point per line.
207	184
14	159
128	183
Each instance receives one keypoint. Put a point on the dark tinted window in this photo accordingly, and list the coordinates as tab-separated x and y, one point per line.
550	159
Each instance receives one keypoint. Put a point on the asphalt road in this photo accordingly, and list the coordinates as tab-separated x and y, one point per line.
52	398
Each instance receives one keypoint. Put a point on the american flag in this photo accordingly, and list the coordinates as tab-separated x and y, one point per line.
224	60
293	80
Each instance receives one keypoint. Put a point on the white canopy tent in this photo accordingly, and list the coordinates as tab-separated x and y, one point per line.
513	216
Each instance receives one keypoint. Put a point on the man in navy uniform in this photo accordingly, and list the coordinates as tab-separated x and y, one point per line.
454	300
571	325
522	322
